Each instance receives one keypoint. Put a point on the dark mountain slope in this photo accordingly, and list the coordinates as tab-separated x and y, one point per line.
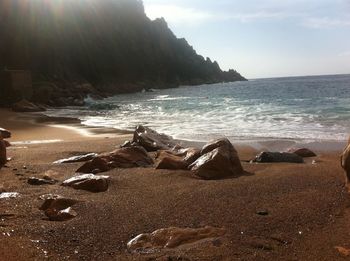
109	44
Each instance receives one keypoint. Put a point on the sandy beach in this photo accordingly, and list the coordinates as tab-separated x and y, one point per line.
305	205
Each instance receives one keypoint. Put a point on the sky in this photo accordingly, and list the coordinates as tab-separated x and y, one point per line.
264	38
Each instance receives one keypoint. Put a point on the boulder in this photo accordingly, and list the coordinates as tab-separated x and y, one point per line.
128	157
79	158
37	182
5	134
278	157
172	237
152	140
345	163
219	160
89	182
26	106
303	152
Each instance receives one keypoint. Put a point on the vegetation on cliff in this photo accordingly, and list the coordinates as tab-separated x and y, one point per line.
78	47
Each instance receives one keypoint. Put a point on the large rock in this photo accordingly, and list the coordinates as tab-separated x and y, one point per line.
58	208
303	152
128	157
219	160
345	163
189	155
171	238
5	134
152	140
278	157
26	106
89	182
79	158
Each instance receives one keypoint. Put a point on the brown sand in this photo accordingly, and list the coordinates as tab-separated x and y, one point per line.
307	206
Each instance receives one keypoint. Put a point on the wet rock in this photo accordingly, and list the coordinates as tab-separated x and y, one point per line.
26	106
80	158
219	159
7	195
128	157
277	157
5	134
89	182
37	182
152	140
167	160
189	155
345	163
171	238
303	152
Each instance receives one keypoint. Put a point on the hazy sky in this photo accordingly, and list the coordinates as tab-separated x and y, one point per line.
264	38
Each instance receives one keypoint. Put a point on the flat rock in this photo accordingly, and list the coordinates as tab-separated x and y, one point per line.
79	158
219	160
152	140
89	182
277	157
128	157
172	237
37	182
303	152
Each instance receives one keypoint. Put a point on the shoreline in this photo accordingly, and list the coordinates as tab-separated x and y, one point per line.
58	129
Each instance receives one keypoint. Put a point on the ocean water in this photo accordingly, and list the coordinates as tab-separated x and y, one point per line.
296	108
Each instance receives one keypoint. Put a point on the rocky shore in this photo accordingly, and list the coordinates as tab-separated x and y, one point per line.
160	209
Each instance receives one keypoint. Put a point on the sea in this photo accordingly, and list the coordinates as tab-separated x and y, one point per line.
305	109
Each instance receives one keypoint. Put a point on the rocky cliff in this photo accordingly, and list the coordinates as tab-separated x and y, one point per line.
75	48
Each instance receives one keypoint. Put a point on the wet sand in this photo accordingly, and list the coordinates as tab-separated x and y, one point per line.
307	205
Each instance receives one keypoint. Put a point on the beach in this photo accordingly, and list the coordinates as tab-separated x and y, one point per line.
305	206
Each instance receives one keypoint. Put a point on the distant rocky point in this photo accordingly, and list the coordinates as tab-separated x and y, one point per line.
77	48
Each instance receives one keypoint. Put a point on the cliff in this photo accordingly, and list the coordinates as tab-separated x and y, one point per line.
74	48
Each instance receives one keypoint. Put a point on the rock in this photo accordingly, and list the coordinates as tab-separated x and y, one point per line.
26	106
5	134
152	140
189	155
56	202
58	208
3	155
262	212
37	182
170	161
128	157
51	175
171	238
269	157
79	158
303	152
60	215
219	159
89	182
345	163
343	251
7	195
